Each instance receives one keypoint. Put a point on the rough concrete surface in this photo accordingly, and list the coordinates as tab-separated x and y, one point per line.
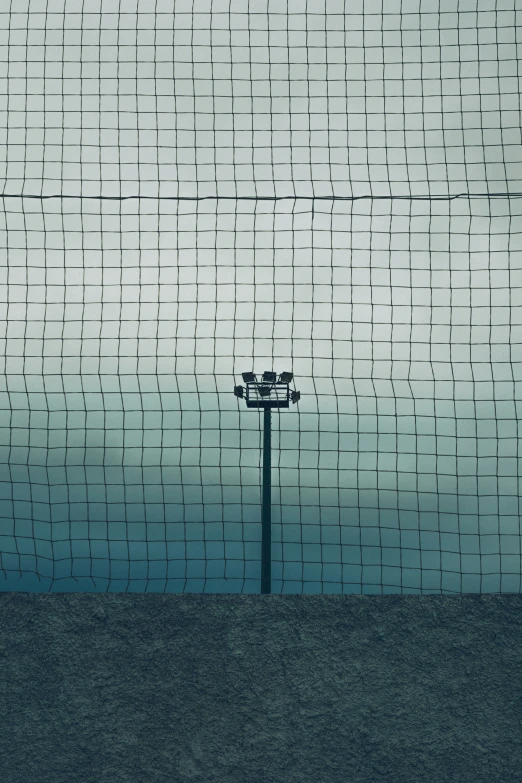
142	688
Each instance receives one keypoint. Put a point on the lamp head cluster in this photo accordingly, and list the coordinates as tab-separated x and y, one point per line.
269	391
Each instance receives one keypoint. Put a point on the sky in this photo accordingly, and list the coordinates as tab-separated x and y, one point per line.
192	190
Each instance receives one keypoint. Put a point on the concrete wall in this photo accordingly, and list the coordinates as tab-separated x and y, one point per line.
142	688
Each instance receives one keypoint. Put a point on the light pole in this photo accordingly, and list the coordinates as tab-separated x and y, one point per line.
267	394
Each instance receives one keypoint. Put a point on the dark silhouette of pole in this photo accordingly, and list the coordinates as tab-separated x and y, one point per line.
266	512
267	394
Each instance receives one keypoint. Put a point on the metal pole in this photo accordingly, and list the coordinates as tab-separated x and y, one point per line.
266	513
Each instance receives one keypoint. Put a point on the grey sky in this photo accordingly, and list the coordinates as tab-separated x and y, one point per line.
126	323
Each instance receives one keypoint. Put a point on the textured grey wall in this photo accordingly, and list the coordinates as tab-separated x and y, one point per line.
260	689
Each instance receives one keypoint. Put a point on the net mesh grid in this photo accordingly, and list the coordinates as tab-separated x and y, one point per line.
194	190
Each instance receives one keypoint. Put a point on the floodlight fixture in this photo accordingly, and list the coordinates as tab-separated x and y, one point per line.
267	393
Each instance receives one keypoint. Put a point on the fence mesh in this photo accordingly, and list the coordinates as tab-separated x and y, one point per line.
192	190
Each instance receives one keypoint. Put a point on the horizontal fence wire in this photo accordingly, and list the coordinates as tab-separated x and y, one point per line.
192	190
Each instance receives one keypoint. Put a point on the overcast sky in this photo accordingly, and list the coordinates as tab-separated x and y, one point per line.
295	180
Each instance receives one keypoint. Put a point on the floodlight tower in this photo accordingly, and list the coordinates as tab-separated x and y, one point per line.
267	393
